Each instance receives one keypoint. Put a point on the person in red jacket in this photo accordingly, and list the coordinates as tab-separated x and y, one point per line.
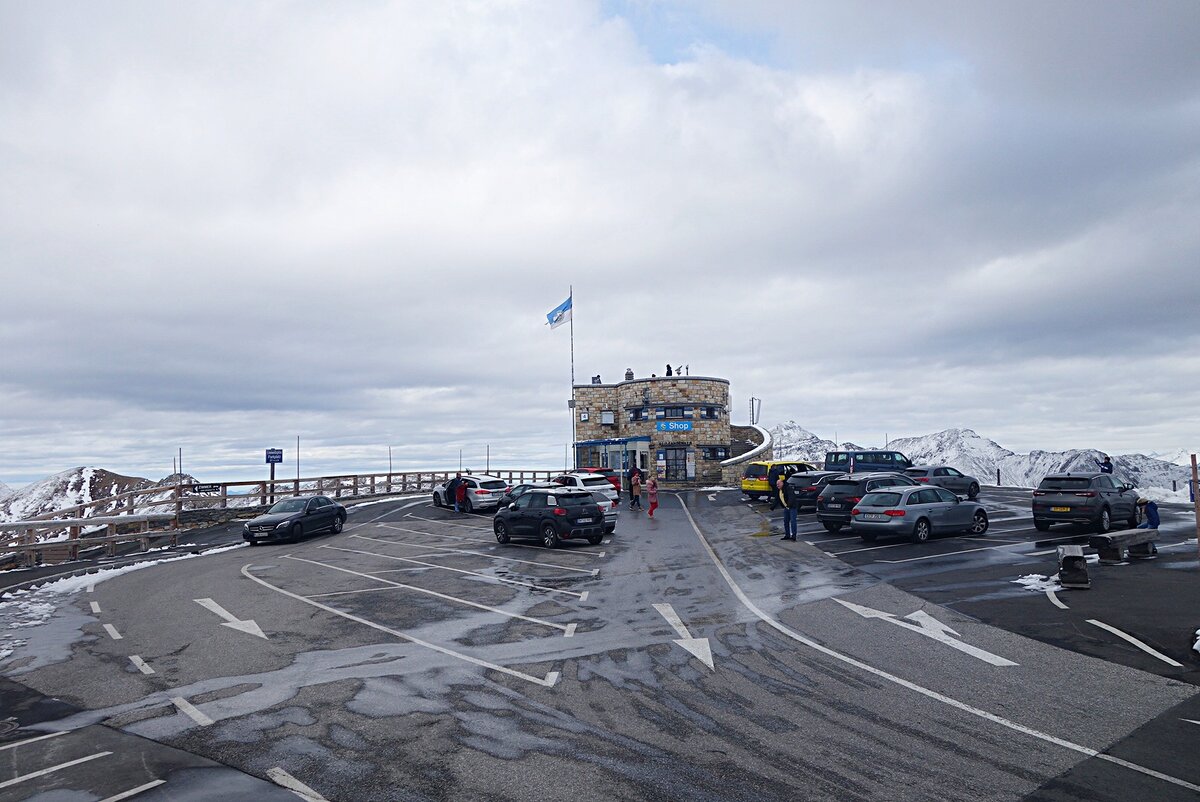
652	494
460	497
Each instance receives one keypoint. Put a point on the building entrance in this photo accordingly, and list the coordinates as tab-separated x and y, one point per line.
676	464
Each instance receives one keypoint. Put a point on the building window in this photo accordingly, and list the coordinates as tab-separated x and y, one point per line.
607	418
638	414
710	413
715	452
673	413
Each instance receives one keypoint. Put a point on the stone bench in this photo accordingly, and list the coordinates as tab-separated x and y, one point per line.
1115	547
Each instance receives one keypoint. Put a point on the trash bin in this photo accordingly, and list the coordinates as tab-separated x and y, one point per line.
1072	568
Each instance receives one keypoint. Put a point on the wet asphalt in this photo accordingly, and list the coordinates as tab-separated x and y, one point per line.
527	673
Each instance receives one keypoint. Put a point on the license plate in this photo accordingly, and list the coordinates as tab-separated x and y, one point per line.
873	516
833	506
584	521
1060	509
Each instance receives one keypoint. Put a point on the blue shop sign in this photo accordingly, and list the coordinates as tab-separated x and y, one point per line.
674	426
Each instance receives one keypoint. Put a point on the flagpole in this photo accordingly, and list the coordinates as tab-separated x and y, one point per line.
574	417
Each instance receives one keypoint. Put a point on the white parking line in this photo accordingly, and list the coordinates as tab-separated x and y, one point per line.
112	632
43	772
486	577
559	552
1145	648
95	607
15	744
282	778
427	592
191	711
428	534
830	540
1053	597
590	571
133	791
448	523
968	551
140	664
357	524
548	682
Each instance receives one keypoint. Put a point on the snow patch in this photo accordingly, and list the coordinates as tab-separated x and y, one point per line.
1038	583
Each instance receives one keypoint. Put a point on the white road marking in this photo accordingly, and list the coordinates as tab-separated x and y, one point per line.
90	588
1053	597
930	627
1144	647
95	607
1041	553
697	647
548	682
486	577
601	554
191	711
112	632
570	630
1190	721
248	626
591	571
712	496
376	518
912	686
830	540
141	664
583	596
607	540
448	523
133	791
428	592
15	744
282	778
969	551
428	534
43	772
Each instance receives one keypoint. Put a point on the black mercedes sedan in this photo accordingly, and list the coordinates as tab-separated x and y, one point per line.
293	518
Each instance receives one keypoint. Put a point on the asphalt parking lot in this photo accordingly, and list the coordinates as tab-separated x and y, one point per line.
692	656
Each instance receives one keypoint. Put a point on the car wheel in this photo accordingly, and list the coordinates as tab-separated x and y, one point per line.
832	527
1104	522
501	529
338	523
1041	526
868	537
595	539
921	531
550	536
973	491
467	505
437	501
297	532
979	524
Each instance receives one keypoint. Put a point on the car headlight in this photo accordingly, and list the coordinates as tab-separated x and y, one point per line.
283	525
246	528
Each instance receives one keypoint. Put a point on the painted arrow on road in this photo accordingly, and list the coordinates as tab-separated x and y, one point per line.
930	627
698	647
248	626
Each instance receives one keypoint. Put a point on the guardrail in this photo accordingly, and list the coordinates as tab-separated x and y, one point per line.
35	551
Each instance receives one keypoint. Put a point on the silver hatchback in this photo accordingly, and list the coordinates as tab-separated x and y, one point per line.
916	513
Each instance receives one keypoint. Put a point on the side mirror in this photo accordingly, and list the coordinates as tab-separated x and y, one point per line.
512	506
957	500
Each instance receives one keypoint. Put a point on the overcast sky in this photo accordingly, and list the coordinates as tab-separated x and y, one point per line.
223	225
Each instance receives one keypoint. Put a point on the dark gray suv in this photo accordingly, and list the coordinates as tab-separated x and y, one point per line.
1092	499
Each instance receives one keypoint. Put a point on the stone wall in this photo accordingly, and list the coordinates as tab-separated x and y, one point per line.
745	440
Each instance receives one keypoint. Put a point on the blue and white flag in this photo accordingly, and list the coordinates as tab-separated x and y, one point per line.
560	314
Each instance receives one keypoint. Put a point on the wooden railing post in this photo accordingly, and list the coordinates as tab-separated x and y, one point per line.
262	493
295	487
224	496
178	503
111	531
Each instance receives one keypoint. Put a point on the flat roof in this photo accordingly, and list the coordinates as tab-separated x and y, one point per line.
615	441
657	379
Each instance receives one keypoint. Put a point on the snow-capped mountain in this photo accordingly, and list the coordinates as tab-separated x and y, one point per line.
981	457
78	486
5	491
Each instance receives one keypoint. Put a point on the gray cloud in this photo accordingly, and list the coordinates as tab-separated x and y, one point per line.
227	225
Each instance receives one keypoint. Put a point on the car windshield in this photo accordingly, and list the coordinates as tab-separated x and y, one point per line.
493	484
289	505
1066	483
880	500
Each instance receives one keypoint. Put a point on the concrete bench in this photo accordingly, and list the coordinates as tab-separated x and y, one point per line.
1072	568
1115	547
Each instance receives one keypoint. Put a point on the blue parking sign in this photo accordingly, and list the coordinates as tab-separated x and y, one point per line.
274	455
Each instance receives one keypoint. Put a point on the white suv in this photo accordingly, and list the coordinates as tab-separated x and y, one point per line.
483	492
595	482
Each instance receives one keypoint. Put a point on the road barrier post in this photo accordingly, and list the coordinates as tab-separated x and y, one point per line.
997	477
1196	502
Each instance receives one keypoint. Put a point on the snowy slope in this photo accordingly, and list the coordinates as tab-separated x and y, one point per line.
5	491
76	486
981	457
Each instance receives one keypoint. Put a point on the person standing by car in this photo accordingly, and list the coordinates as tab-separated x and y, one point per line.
460	497
790	498
1106	466
452	490
635	488
773	485
652	494
1150	511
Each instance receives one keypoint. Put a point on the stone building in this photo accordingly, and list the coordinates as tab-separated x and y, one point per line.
677	426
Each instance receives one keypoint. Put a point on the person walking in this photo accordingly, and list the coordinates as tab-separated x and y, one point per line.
790	497
1106	466
635	489
652	494
1149	511
460	497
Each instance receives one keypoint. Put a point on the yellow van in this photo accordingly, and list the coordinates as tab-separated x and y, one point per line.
754	480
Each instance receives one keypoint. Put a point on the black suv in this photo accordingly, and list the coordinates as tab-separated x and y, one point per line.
807	484
551	515
840	494
1093	499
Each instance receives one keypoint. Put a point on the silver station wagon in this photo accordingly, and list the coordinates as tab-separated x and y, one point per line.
916	513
